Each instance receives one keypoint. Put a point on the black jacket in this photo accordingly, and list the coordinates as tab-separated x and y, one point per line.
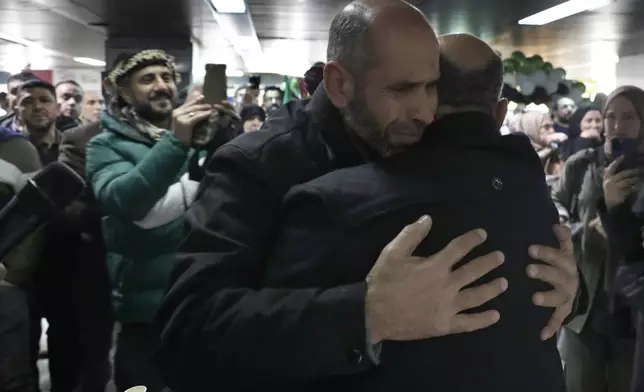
624	231
220	329
465	175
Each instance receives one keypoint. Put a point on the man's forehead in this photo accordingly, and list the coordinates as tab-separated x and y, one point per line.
67	87
152	70
33	92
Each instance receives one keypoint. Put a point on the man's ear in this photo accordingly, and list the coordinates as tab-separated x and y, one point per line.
501	111
339	84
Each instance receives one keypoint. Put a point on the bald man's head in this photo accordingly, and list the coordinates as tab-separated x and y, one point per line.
382	72
354	32
471	73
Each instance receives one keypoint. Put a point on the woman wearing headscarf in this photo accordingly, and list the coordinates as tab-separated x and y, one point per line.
585	131
538	127
622	211
597	347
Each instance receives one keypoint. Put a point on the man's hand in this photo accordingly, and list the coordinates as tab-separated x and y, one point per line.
227	108
410	298
618	185
186	116
561	272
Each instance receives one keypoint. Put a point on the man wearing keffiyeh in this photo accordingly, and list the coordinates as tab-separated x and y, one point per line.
137	168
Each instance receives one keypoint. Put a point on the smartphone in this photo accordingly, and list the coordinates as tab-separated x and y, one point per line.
215	86
215	90
626	148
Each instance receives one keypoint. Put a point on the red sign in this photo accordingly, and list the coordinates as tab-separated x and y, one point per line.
46	75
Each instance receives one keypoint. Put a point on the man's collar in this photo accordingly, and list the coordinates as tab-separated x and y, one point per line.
347	148
464	127
50	139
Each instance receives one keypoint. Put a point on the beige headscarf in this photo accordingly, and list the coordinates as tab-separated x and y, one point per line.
529	123
633	94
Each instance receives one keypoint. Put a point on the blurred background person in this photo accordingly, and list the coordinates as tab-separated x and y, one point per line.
14	82
92	105
273	97
252	117
69	95
562	111
312	79
622	210
598	347
538	127
585	131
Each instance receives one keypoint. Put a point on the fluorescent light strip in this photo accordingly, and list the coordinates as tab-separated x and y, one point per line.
18	40
229	6
35	45
90	61
563	10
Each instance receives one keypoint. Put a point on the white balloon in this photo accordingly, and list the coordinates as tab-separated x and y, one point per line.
575	95
552	86
539	78
527	87
510	79
556	75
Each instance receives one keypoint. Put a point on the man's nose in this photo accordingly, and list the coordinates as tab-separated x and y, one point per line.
160	85
424	106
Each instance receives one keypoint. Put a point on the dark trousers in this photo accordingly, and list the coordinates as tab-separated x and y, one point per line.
638	370
16	374
134	361
596	363
74	296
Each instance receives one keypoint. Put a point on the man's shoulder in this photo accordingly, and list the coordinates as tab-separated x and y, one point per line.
284	152
7	119
349	187
89	129
82	134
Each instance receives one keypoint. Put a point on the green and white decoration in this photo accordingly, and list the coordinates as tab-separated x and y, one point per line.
532	80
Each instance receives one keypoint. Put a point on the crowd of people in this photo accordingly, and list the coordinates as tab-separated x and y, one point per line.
380	235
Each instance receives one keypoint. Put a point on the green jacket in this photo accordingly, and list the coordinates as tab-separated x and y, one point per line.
142	188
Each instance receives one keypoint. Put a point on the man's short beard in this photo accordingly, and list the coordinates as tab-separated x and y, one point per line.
146	112
563	120
360	120
39	129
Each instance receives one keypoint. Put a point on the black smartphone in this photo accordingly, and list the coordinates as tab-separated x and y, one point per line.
215	90
215	86
626	148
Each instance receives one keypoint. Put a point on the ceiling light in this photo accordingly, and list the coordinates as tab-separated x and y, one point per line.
229	6
563	10
90	61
